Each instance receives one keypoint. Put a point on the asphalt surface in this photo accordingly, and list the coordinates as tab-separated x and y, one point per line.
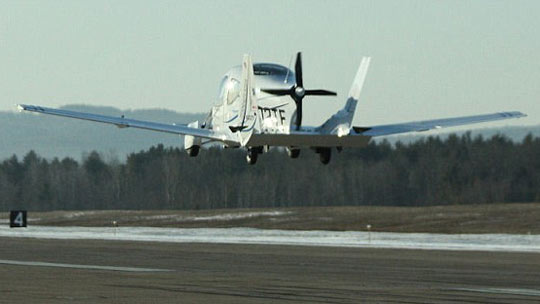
91	271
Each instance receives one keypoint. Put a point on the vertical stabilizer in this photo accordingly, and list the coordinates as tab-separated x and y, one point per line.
356	88
248	104
340	123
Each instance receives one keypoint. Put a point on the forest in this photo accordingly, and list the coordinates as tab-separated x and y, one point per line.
430	171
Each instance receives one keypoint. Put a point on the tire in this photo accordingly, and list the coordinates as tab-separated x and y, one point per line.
325	155
251	156
193	151
293	153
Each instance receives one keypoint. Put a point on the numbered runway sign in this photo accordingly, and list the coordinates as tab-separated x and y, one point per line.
17	218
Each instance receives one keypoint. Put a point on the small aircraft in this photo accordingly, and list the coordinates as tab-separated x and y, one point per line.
260	106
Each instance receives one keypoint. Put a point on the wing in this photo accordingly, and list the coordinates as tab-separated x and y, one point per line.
419	126
360	136
122	122
309	139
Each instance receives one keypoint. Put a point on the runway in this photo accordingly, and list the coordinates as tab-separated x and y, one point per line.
41	271
243	235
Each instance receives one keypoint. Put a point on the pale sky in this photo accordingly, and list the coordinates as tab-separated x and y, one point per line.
431	59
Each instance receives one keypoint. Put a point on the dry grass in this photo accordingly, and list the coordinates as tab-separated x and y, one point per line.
493	218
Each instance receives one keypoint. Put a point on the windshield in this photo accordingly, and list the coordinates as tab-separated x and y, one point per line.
222	91
233	90
229	91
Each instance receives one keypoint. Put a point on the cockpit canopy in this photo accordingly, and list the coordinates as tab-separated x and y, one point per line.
229	90
266	69
266	75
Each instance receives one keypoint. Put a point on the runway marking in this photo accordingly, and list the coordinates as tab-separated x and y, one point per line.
353	239
512	291
77	266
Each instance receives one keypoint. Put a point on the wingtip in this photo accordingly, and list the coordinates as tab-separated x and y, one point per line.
513	114
519	114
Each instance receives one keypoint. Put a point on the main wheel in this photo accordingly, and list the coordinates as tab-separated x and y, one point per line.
251	156
293	153
324	155
193	151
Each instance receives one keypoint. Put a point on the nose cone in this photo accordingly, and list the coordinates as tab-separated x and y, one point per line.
300	92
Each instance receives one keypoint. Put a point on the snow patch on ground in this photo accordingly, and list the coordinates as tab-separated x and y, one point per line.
71	215
219	217
357	239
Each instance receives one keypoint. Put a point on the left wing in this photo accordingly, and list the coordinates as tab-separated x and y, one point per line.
425	125
122	122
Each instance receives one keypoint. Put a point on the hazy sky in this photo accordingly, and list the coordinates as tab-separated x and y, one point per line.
431	59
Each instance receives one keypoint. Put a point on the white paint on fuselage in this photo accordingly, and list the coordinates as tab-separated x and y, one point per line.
276	114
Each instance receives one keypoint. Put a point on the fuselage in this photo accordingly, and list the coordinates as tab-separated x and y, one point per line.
275	114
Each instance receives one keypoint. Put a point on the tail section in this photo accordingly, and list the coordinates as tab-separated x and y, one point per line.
356	88
248	104
340	123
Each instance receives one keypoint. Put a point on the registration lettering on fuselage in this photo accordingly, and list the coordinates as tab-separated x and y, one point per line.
278	114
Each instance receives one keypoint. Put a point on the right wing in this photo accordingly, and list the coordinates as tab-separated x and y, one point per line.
425	125
122	122
360	136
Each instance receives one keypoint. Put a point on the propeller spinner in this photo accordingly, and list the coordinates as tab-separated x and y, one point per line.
297	91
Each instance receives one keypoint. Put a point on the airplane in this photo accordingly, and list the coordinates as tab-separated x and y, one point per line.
260	106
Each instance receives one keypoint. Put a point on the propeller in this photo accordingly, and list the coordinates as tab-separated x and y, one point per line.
297	91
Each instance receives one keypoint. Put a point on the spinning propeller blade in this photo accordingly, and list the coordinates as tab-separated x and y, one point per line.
297	91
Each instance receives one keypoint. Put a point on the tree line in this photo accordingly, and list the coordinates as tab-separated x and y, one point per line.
431	171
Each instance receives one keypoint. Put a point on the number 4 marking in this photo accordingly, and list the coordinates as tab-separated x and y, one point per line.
19	219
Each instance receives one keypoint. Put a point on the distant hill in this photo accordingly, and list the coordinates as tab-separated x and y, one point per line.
59	137
52	136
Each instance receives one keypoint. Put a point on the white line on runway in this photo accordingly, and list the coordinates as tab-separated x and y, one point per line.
357	239
93	267
512	291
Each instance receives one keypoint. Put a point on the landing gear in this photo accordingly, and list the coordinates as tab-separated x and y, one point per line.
293	153
193	151
324	155
252	155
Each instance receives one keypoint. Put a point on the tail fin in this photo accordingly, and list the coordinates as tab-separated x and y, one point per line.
248	105
340	123
356	88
